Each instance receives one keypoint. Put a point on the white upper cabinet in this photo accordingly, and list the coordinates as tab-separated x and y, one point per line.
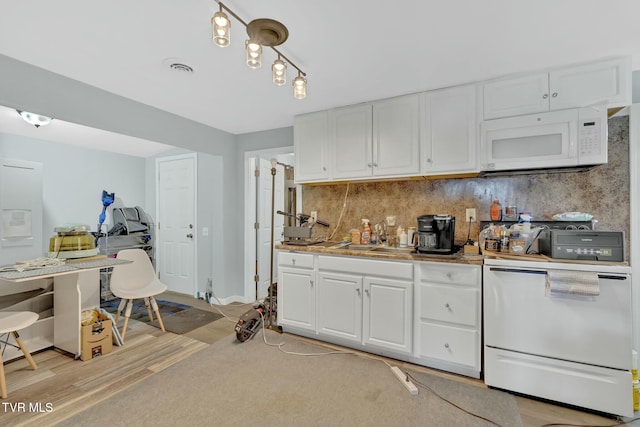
396	138
600	83
607	82
376	139
516	96
311	147
352	153
449	134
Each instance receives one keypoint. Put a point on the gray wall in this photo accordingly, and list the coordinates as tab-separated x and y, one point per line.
220	161
73	180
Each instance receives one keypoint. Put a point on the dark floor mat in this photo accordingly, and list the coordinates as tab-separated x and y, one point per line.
187	320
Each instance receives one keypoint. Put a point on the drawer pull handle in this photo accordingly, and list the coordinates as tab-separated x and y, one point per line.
447	306
358	291
293	261
446	345
311	282
366	291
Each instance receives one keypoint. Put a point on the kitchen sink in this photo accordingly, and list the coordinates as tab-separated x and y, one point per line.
361	247
376	248
393	249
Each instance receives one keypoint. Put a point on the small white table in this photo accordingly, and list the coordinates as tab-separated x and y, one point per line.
76	287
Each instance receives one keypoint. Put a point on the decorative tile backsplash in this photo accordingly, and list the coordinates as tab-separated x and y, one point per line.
602	191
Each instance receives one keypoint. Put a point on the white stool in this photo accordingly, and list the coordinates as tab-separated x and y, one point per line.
11	322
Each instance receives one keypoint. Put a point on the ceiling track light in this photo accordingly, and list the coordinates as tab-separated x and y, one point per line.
262	32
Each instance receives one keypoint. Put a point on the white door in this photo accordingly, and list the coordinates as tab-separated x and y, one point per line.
265	242
176	223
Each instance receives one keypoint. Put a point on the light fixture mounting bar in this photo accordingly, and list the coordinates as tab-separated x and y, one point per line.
232	13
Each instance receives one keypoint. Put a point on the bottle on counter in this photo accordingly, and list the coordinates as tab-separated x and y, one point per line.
355	236
504	241
365	237
403	239
496	211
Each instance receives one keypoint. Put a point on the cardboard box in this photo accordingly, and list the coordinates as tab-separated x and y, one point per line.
97	338
470	249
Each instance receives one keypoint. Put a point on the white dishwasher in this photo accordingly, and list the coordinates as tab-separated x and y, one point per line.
572	348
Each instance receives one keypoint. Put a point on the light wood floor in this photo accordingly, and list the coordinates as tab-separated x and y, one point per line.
62	386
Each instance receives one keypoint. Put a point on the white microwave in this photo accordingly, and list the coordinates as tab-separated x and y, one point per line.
557	139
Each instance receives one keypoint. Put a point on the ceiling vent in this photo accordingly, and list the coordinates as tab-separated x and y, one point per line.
180	68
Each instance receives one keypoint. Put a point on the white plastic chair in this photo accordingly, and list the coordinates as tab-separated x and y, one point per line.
11	322
134	281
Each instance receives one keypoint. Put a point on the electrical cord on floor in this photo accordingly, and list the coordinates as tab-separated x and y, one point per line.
229	318
279	346
448	401
620	423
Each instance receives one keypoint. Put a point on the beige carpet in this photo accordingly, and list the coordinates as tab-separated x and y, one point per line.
250	384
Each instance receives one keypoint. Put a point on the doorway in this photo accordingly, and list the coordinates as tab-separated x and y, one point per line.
176	213
258	270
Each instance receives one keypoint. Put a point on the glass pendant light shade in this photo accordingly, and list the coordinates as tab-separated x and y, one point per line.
254	54
299	87
221	27
34	119
279	71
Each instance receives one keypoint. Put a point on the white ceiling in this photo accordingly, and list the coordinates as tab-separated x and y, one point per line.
82	136
352	50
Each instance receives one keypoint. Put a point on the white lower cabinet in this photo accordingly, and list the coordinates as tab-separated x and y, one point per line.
296	291
340	306
426	313
447	332
356	304
388	314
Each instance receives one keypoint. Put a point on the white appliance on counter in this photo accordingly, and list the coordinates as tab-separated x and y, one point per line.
557	139
570	348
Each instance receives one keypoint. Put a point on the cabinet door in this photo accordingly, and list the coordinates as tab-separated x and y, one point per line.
311	147
388	313
351	148
516	96
396	139
450	131
604	82
340	306
296	298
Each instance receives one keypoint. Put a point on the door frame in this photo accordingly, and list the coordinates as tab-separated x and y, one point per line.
158	233
250	211
634	202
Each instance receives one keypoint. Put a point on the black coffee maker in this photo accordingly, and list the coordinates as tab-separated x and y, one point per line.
435	234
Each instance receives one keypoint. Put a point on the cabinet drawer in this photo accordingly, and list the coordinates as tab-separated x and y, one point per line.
448	273
367	267
449	344
449	304
293	259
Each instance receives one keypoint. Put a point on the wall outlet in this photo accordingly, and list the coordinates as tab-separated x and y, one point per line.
314	216
470	215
